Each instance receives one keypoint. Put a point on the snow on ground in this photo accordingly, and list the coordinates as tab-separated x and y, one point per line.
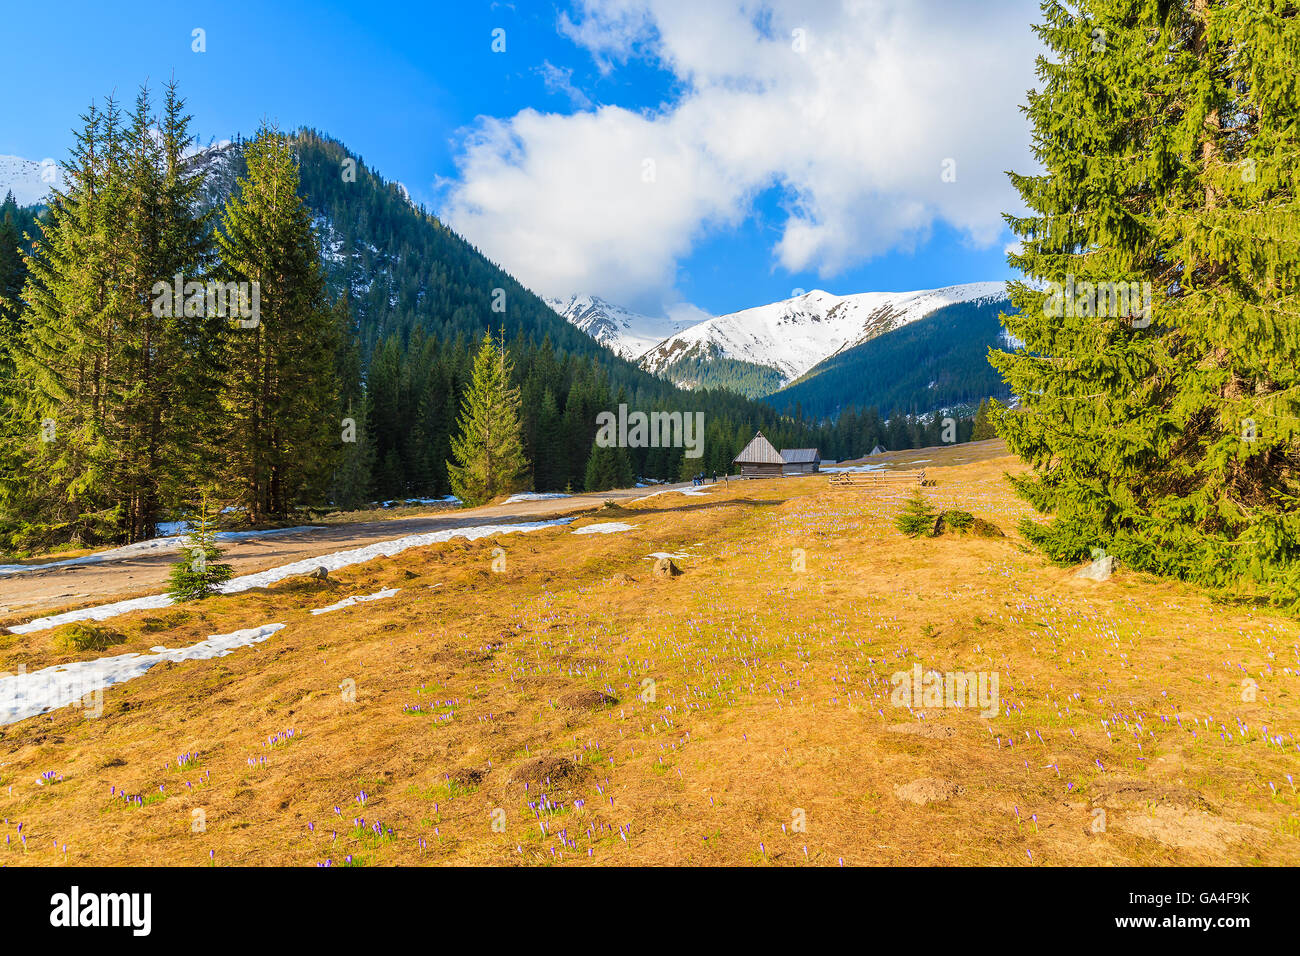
445	500
358	599
170	542
63	685
694	491
843	468
262	579
604	527
535	496
656	555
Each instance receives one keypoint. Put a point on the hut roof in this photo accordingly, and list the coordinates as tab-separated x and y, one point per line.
800	456
759	452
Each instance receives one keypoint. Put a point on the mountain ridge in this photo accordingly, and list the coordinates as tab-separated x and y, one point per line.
626	333
795	334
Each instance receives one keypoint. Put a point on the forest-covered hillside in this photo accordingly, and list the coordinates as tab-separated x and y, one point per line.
939	363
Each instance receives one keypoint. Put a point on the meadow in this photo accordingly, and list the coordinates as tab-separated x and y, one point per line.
545	698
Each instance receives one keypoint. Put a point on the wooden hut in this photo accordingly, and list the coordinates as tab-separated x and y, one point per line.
760	459
800	461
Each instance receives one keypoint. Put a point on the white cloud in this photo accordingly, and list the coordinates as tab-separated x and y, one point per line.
560	80
856	129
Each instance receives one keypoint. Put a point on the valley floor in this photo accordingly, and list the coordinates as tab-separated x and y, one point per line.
543	698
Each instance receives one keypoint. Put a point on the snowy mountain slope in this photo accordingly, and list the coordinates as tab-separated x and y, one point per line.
794	335
29	181
627	333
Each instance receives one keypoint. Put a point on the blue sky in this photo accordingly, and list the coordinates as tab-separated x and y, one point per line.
774	171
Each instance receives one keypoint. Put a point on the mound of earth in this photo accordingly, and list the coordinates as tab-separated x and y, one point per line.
548	769
928	790
586	700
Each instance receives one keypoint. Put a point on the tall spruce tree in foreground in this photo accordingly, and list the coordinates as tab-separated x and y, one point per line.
100	417
488	448
1167	132
280	393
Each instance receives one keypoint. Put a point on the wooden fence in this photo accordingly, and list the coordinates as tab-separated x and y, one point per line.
882	480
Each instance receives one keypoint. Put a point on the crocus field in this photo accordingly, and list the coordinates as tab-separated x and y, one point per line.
544	698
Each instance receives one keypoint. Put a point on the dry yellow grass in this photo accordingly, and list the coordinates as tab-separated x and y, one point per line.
527	692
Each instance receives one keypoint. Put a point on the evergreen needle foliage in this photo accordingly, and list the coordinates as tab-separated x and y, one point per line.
488	450
917	517
280	400
196	574
100	413
1168	140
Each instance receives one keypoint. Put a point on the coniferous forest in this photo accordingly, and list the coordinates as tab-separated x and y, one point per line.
120	411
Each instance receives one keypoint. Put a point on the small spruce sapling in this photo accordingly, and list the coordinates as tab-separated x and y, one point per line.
917	517
197	574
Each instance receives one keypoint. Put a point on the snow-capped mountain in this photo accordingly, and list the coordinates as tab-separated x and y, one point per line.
624	332
794	335
29	181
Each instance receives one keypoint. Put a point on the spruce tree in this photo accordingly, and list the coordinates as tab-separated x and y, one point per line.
488	449
198	573
917	519
98	408
354	475
280	394
13	275
607	467
1167	137
982	428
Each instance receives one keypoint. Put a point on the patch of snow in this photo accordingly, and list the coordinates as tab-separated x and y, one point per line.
695	491
840	469
331	562
358	599
64	685
444	500
604	527
655	555
170	542
535	496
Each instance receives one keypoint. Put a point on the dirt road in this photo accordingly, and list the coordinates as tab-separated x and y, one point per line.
28	593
